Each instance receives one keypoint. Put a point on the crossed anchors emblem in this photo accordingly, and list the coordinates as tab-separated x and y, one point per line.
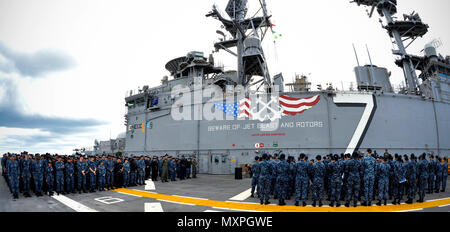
261	115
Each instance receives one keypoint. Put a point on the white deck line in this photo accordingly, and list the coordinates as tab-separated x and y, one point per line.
73	204
242	196
153	207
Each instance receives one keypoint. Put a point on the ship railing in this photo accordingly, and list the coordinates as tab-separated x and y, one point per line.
340	86
133	92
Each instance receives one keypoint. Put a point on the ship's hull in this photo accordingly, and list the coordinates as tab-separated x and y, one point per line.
339	123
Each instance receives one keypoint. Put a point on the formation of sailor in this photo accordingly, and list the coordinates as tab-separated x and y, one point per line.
348	179
46	174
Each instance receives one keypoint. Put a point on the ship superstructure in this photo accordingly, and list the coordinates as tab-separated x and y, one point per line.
414	120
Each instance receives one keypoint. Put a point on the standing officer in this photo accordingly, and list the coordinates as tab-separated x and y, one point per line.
423	176
26	174
336	171
13	170
82	172
194	167
369	177
165	169
148	163
318	181
439	173
264	179
188	168
126	173
4	158
412	179
291	184
301	180
49	178
38	175
109	165
282	170
141	173
444	170
118	173
400	179
352	168
101	176
59	166
327	179
274	188
92	174
133	171
256	170
383	171
172	171
431	174
70	179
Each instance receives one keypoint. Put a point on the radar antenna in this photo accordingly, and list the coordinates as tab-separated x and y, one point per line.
409	29
246	35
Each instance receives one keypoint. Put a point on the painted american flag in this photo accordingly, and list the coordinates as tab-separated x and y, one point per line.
289	106
294	106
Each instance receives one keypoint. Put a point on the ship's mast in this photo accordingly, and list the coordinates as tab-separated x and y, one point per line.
250	56
401	31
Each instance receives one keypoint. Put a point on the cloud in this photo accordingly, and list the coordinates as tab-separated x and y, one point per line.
21	129
34	65
13	114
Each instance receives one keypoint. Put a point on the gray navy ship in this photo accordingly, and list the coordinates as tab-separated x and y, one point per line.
415	119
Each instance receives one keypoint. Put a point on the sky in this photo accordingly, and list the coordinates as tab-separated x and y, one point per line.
65	65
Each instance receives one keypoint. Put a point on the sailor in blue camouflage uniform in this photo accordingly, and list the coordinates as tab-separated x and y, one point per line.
126	173
273	161
361	176
256	170
25	169
59	166
141	171
49	178
431	174
352	169
438	173
411	176
92	170
422	169
301	180
291	176
264	179
101	176
282	172
172	169
327	179
4	158
38	176
109	165
318	181
336	170
343	160
369	177
444	170
391	176
400	179
82	173
310	176
383	172
13	170
70	178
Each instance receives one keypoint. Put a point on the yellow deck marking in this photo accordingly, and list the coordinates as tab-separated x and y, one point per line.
276	208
